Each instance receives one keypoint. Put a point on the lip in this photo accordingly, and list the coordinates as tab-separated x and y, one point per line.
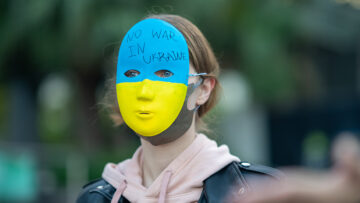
144	114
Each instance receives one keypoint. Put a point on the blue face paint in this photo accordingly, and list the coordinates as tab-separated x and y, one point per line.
153	49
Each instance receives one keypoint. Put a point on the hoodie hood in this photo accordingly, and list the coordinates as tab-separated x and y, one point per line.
181	181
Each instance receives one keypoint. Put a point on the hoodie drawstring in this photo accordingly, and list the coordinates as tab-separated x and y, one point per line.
164	185
120	189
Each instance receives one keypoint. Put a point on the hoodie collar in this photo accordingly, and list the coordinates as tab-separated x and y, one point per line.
182	180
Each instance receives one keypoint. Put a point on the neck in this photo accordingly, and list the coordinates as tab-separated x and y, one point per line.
157	158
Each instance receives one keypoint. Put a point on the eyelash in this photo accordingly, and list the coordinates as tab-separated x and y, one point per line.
130	73
160	73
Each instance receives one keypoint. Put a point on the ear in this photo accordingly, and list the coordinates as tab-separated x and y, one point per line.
206	89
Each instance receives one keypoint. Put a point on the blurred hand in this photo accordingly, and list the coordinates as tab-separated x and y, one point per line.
339	185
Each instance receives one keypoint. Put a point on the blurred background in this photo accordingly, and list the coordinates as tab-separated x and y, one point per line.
290	79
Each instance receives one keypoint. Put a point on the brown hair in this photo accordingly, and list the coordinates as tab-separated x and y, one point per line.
201	57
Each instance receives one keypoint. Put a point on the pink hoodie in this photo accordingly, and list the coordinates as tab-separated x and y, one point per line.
181	181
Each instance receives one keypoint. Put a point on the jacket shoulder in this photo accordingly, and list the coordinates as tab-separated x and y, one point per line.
96	191
236	178
258	171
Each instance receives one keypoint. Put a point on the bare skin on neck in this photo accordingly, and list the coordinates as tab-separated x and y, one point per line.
157	158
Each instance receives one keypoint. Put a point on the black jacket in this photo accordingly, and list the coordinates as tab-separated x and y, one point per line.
234	179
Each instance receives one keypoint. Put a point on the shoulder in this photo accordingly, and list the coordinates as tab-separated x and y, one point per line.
96	191
239	177
249	170
245	172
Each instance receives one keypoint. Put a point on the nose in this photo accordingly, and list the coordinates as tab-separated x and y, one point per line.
146	91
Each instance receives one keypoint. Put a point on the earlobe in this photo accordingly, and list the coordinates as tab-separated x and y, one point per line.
206	89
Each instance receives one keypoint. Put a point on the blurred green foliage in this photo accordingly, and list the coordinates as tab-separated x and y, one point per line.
255	36
18	182
4	111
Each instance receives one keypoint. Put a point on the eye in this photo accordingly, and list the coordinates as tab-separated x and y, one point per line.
131	73
164	73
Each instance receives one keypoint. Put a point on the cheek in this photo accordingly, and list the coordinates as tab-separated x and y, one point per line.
126	93
126	96
191	102
170	98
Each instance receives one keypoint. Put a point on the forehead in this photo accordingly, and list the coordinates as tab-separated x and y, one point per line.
152	45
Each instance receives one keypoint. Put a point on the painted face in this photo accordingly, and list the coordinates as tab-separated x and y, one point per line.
152	76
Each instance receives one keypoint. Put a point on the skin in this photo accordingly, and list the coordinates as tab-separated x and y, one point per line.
157	158
340	184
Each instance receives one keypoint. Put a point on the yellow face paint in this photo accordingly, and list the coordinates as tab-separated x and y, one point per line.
150	107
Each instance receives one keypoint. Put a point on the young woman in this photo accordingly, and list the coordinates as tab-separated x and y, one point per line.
166	82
